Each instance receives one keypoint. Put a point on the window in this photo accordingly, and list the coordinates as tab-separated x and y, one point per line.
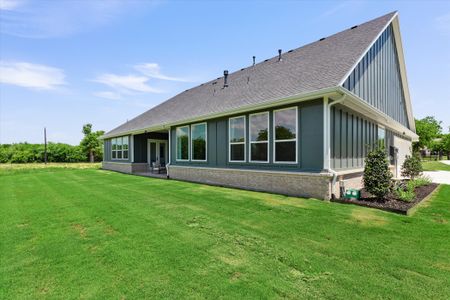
285	131
120	147
182	143
236	132
125	147
113	148
259	137
198	141
381	137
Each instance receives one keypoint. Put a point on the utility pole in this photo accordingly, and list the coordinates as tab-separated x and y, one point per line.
45	145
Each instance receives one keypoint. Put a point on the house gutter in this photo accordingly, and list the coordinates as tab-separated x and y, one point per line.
327	137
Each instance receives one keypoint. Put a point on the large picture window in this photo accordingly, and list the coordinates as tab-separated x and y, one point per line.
285	131
237	139
199	141
120	147
182	134
259	137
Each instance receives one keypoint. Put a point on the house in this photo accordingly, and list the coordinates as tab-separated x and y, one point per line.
300	123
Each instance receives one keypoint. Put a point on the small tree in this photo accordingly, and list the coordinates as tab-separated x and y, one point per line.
377	177
412	167
91	144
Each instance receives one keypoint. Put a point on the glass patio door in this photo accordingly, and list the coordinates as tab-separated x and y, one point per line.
157	152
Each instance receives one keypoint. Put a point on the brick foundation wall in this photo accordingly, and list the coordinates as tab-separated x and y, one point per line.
309	185
125	167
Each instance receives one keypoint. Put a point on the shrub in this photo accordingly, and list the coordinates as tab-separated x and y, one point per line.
412	167
377	177
405	195
420	181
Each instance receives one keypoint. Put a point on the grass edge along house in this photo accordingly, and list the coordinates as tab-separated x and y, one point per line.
300	123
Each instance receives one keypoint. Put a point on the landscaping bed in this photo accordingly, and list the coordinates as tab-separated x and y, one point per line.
391	202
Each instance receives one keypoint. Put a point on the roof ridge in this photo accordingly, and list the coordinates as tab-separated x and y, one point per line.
313	66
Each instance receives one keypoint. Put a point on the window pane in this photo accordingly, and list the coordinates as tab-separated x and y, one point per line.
199	142
114	144
125	143
259	152
125	154
119	144
237	130
258	127
237	152
114	154
285	151
381	137
119	154
182	142
285	124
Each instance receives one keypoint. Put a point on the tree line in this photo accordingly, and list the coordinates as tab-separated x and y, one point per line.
90	149
431	136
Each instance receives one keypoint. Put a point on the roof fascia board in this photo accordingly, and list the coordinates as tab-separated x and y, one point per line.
283	101
402	65
359	105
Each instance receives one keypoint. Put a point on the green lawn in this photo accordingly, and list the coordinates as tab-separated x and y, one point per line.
435	166
87	233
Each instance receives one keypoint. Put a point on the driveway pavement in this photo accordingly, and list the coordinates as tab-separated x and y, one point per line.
439	176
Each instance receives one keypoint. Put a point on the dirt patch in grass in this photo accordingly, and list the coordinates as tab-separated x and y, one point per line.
80	229
368	218
391	203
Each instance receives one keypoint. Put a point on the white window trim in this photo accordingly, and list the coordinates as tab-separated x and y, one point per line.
384	138
122	150
289	140
206	142
258	142
237	143
176	143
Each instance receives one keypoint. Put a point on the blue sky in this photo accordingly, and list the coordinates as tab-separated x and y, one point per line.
66	63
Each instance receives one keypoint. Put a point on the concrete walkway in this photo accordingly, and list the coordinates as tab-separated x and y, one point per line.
438	176
447	162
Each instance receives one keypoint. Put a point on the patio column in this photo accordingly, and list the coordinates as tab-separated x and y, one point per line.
131	146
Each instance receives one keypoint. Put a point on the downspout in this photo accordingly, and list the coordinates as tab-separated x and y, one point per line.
327	138
170	156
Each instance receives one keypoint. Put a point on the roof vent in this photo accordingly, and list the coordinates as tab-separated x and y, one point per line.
254	60
225	78
354	27
266	60
321	39
290	51
279	54
242	69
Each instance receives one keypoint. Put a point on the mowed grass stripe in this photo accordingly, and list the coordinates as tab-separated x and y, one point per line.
99	234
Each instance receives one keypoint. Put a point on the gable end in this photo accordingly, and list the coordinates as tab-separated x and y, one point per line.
377	78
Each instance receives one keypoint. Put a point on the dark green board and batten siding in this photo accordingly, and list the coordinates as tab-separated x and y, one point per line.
309	147
352	137
376	79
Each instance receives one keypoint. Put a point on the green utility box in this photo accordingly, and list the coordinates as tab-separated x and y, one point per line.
352	194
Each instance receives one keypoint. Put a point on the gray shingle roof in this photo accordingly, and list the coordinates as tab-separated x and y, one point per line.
319	65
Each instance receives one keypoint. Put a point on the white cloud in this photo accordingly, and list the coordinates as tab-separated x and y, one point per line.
127	84
153	70
30	75
108	95
443	23
52	19
10	4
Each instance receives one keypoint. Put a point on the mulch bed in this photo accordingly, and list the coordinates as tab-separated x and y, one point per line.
391	203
